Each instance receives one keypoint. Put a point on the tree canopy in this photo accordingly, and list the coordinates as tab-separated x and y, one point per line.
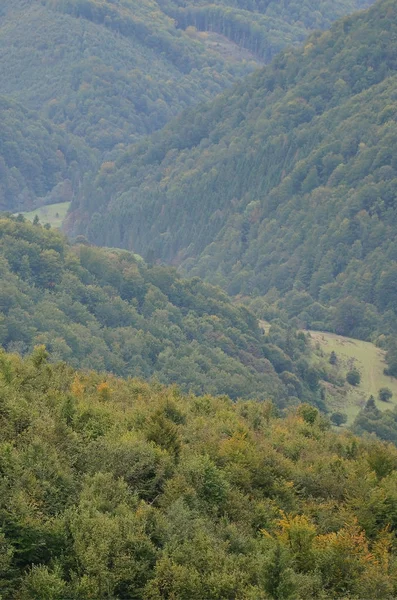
122	489
39	162
108	310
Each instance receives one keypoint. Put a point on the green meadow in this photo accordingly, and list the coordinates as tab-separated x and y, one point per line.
367	359
54	214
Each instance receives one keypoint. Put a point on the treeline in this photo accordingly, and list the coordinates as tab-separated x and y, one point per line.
132	19
282	187
108	310
121	489
39	163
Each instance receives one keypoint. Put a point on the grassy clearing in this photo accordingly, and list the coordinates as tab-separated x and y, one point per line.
265	325
364	356
54	214
220	44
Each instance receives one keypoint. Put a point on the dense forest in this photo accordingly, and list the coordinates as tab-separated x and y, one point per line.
80	74
107	72
121	489
39	162
283	186
108	310
111	72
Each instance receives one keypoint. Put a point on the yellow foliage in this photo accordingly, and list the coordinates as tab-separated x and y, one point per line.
104	390
77	388
107	167
351	540
294	528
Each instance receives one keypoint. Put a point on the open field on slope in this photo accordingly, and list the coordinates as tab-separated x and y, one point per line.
368	359
54	214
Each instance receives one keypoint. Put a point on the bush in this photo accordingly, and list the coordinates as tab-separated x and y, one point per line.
353	377
333	358
338	418
385	394
308	413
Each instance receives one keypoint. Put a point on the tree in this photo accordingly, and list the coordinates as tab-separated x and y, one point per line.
370	404
338	418
385	394
349	315
333	358
353	377
40	582
308	413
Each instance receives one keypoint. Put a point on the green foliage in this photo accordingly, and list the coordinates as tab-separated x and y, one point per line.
353	377
372	420
108	310
283	186
252	506
333	359
111	72
263	27
104	74
338	418
39	162
385	394
391	358
308	413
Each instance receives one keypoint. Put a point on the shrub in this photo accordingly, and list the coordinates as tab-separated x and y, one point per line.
385	394
353	377
338	418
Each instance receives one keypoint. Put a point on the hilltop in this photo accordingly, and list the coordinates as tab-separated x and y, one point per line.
107	72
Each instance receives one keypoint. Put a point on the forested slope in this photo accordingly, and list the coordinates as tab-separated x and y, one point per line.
286	184
107	72
39	162
110	311
125	490
111	72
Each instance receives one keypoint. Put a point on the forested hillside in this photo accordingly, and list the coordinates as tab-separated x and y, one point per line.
124	490
107	72
111	72
39	163
108	310
285	185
